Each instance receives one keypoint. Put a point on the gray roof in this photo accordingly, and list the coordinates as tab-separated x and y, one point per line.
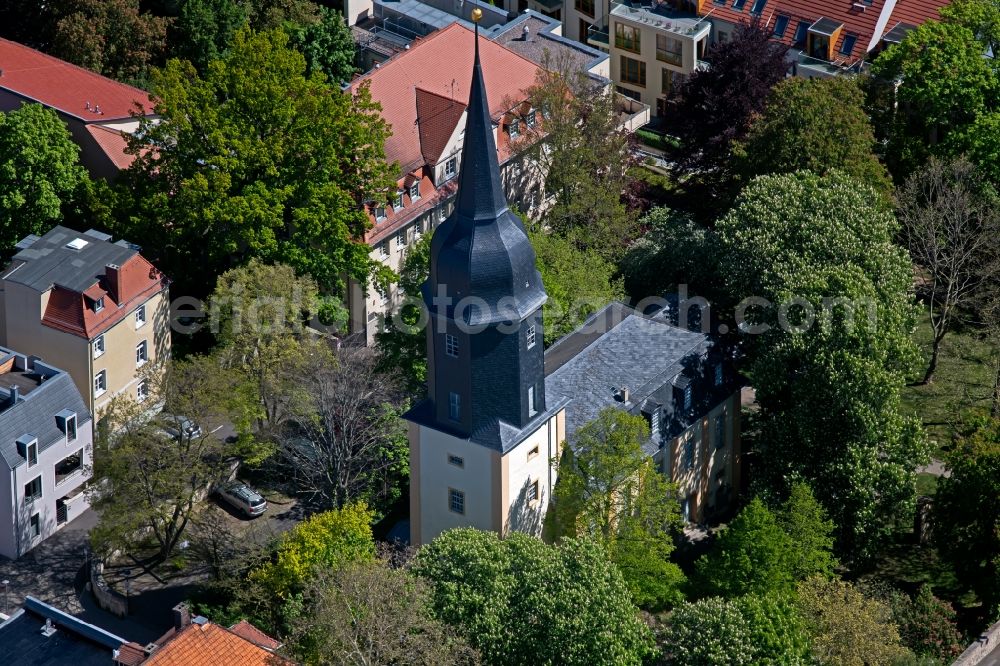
542	43
35	414
619	348
48	261
74	641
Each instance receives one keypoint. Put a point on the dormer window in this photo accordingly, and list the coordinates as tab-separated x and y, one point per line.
529	119
66	420
848	46
398	202
415	191
379	213
514	128
98	304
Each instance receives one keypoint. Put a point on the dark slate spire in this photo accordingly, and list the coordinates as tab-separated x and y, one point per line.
485	367
482	249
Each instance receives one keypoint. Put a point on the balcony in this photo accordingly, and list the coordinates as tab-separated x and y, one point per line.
598	37
632	114
810	67
69	467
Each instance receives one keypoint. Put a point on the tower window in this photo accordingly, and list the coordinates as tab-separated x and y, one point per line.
529	336
687	397
457	461
456	501
451	345
454	406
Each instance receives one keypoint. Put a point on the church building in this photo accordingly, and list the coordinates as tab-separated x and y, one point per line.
485	442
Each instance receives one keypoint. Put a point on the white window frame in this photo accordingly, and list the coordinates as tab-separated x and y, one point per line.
140	316
451	345
142	390
98	304
397	203
99	346
102	376
533	489
529	336
401	238
415	191
451	168
31	452
379	213
383	249
141	353
531	401
35	525
514	127
28	499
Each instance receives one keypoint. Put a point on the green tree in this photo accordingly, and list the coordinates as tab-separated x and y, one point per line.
982	17
674	251
328	46
206	28
752	555
330	539
518	600
40	173
402	343
967	515
112	37
747	630
256	160
585	157
271	14
612	492
815	125
945	84
845	627
926	624
150	481
804	520
578	282
829	348
367	613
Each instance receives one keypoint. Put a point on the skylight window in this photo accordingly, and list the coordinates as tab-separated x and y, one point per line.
780	26
738	4
801	31
758	6
77	244
848	46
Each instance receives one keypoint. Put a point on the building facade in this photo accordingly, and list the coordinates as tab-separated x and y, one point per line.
94	307
46	448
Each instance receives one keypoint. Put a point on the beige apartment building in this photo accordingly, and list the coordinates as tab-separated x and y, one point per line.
93	307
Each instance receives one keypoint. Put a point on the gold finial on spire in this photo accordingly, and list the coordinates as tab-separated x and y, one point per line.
477	14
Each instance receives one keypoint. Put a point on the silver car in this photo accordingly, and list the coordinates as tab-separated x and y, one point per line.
243	498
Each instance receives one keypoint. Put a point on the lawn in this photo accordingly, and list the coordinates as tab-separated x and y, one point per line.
963	383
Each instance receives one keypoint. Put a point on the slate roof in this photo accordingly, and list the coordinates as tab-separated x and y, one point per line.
35	413
57	84
542	42
74	642
76	275
619	348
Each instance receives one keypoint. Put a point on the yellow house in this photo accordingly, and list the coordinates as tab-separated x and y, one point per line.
94	307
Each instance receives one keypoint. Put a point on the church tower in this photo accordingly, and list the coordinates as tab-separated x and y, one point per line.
483	442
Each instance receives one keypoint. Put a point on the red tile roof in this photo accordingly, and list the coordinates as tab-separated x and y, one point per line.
441	64
867	23
211	645
70	311
130	654
437	118
113	143
55	83
244	629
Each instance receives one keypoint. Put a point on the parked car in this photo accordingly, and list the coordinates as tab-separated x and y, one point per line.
243	498
175	425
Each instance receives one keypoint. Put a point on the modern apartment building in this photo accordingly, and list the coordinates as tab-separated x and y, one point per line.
98	111
46	449
94	307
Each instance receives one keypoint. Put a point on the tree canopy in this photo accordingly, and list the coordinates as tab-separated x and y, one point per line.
813	124
611	491
40	173
829	347
518	600
255	159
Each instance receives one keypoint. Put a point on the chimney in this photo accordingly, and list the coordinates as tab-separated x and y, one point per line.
524	33
622	394
113	276
182	616
15	394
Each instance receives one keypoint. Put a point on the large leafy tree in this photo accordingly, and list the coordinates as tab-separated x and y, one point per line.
40	173
967	516
585	157
327	45
945	84
112	37
747	630
151	481
715	106
518	600
204	29
578	282
255	159
366	613
611	491
813	124
982	17
845	627
830	346
804	521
